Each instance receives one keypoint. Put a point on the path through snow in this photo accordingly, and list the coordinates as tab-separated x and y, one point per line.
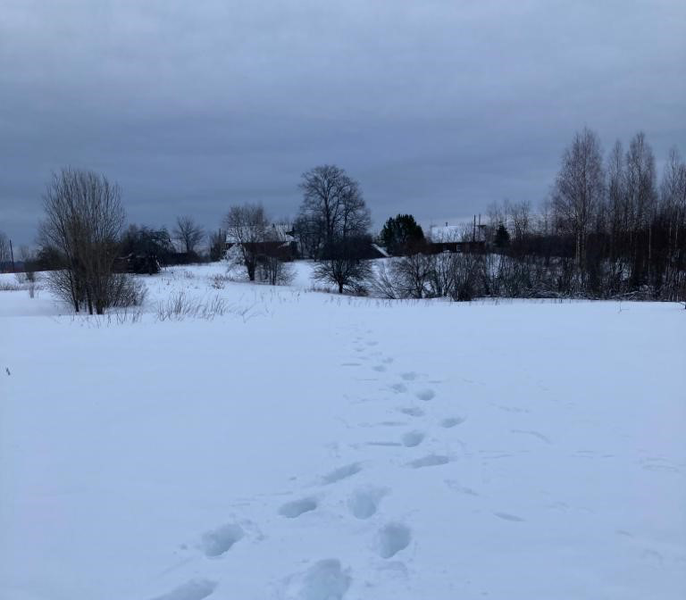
331	448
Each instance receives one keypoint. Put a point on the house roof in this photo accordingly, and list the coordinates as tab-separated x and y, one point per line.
446	233
273	233
455	233
381	250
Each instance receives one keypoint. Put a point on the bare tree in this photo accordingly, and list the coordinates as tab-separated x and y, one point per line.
355	218
4	248
83	221
673	198
217	244
579	189
412	274
246	227
188	233
309	234
458	276
332	207
337	220
496	220
273	267
344	264
520	218
640	179
29	263
617	208
641	190
496	215
544	220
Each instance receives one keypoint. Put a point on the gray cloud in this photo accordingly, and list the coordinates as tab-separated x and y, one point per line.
437	108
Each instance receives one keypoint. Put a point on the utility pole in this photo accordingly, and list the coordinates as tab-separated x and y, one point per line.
12	257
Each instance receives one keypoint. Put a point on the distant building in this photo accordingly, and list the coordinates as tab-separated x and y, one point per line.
140	264
277	242
456	238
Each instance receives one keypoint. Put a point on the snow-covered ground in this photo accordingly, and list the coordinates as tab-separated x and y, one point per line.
305	446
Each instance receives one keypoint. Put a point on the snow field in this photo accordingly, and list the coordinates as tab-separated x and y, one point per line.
311	447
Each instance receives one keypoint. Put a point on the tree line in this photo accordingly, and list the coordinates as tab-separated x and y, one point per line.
83	241
608	229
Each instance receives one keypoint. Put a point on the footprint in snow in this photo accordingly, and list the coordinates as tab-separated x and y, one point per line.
535	434
379	368
294	509
409	376
431	460
399	388
412	411
512	409
494	454
342	473
413	438
452	422
462	489
384	424
364	502
658	463
219	541
388	444
654	555
196	589
425	395
324	580
508	517
391	539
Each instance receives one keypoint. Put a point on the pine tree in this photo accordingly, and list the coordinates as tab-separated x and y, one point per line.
502	237
401	235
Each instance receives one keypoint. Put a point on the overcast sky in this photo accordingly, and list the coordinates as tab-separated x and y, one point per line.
437	107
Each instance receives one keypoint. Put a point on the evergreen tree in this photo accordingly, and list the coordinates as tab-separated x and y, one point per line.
401	235
502	237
